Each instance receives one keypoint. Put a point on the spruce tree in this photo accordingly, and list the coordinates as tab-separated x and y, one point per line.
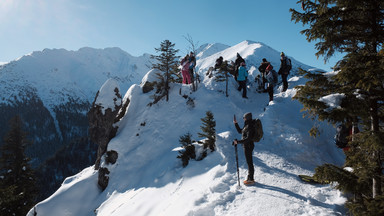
17	180
354	28
222	76
208	131
166	61
188	151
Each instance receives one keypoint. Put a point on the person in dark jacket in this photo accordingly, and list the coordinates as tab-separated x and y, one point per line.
263	65
238	62
219	62
262	69
248	145
192	64
284	70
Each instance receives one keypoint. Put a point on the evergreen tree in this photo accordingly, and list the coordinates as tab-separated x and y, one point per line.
222	76
355	28
17	180
188	149
166	61
208	131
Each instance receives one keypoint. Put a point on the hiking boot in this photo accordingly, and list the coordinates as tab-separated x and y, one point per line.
249	182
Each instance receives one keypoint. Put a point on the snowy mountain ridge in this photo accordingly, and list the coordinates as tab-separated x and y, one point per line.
57	74
148	179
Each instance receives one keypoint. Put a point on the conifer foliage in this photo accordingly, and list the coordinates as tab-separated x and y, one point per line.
188	151
166	63
208	131
356	29
17	180
222	75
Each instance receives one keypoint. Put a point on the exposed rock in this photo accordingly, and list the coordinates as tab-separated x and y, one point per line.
111	157
103	178
102	117
148	86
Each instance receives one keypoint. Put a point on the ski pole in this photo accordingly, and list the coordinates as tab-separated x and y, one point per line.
237	164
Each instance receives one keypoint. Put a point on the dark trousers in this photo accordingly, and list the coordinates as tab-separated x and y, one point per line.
248	149
270	91
243	85
284	77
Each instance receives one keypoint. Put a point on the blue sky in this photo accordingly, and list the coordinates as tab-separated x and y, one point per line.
138	26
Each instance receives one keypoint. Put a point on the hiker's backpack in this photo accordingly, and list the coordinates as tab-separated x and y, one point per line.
275	76
269	77
342	133
288	63
269	67
258	130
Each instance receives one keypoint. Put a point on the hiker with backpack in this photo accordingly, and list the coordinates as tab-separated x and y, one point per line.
192	64
242	79
263	66
238	62
271	80
285	68
247	140
218	65
219	61
185	70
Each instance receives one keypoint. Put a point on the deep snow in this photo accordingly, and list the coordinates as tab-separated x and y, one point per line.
148	179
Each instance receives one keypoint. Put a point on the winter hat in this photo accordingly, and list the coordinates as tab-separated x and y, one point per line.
248	116
264	60
282	54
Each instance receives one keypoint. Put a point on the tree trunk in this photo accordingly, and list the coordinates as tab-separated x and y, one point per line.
166	85
376	180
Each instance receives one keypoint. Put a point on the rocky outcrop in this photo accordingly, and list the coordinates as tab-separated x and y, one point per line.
106	110
103	178
102	117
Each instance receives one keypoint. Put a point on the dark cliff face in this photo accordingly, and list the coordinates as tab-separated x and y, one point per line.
101	128
60	146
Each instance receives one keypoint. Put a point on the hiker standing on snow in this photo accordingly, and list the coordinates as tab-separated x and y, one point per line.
242	79
248	145
185	70
285	67
219	62
192	64
263	65
238	62
270	81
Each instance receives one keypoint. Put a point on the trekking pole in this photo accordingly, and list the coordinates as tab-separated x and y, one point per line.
237	164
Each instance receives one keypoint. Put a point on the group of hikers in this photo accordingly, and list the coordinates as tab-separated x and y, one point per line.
267	79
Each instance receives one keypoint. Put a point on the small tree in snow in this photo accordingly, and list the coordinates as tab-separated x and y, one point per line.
188	151
166	61
208	131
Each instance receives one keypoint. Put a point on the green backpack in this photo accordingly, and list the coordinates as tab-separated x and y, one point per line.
258	130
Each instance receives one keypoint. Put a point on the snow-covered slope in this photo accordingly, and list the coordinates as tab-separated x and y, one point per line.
148	179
